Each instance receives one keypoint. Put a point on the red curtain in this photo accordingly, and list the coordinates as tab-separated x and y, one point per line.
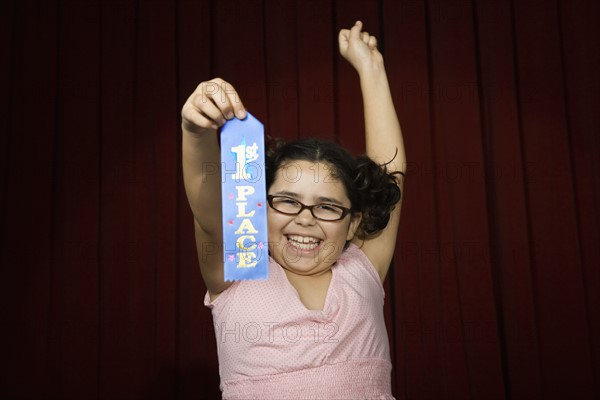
495	288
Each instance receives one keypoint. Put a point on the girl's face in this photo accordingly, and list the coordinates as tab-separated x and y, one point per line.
300	243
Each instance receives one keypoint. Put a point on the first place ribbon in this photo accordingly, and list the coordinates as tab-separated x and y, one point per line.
244	200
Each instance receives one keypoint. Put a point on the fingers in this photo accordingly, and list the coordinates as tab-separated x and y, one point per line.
219	101
372	42
344	35
356	33
223	96
193	119
365	37
343	39
211	105
207	108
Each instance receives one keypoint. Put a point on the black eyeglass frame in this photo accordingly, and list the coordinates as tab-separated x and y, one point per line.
345	210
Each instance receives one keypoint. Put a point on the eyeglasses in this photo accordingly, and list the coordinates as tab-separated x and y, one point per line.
290	206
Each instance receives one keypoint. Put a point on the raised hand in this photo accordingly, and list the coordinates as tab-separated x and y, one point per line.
359	48
210	106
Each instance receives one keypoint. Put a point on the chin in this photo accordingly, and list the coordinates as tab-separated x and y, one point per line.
305	261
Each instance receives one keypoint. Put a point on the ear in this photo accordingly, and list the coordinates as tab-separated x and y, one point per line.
354	224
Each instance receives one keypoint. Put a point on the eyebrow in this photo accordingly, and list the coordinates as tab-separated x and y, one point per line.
320	199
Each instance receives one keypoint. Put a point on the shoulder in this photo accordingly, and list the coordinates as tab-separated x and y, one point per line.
248	291
353	254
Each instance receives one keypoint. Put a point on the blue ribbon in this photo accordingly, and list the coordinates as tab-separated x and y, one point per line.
244	200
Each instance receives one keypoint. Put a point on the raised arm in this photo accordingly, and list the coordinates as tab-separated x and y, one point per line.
207	109
382	130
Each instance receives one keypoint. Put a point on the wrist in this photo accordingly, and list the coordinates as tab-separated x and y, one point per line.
373	76
371	69
196	131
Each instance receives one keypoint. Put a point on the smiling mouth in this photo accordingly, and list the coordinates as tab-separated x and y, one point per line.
303	242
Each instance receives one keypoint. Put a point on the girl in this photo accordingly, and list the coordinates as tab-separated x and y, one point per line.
315	328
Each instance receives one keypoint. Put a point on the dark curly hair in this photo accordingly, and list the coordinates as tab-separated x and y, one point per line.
371	189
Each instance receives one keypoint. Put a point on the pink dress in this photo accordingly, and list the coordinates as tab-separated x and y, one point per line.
271	346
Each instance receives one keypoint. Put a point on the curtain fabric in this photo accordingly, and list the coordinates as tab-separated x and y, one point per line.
495	285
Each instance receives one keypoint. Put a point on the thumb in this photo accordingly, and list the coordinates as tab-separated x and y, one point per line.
355	30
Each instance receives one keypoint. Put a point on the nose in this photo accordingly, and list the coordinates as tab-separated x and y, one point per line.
305	218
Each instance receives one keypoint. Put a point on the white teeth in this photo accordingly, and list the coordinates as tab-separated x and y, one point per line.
303	239
304	242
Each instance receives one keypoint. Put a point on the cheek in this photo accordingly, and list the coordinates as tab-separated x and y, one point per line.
271	218
339	233
272	226
275	223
